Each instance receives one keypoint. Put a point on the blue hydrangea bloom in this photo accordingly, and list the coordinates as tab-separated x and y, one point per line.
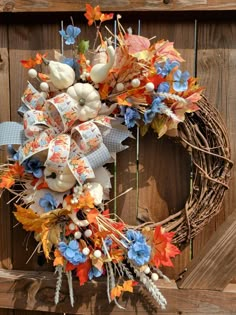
70	34
48	203
166	69
163	87
148	116
94	273
156	108
33	166
71	252
135	236
131	115
138	250
180	83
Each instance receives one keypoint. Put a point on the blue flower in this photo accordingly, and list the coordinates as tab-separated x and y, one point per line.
166	69
156	108
48	202
108	242
71	252
148	116
138	250
180	83
135	236
94	272
33	166
131	115
163	87
70	34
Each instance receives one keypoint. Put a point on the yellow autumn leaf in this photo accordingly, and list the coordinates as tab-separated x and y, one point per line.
128	286
116	291
159	125
47	245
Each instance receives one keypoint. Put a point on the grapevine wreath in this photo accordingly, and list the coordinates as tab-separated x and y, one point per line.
76	113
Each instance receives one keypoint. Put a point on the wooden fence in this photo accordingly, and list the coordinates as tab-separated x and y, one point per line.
158	170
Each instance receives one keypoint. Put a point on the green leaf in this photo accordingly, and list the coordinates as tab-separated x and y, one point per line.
83	46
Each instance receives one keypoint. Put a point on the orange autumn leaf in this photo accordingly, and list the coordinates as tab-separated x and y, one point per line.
30	63
39	58
29	219
92	14
16	169
92	216
46	244
116	291
43	77
58	260
117	255
121	100
128	285
106	16
86	201
7	180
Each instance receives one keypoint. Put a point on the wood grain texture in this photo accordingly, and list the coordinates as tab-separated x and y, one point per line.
5	211
121	5
215	67
164	165
217	257
35	291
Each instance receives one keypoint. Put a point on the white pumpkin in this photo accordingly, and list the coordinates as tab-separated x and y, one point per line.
100	71
61	75
96	192
59	182
88	99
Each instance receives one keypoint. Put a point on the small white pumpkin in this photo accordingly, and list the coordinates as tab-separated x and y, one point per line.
61	75
88	99
59	182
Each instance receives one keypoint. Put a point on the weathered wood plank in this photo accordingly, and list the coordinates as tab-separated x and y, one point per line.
216	64
5	218
215	265
116	5
35	291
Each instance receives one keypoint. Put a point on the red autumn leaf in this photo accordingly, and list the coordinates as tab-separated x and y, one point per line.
70	266
156	80
163	249
92	14
83	270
